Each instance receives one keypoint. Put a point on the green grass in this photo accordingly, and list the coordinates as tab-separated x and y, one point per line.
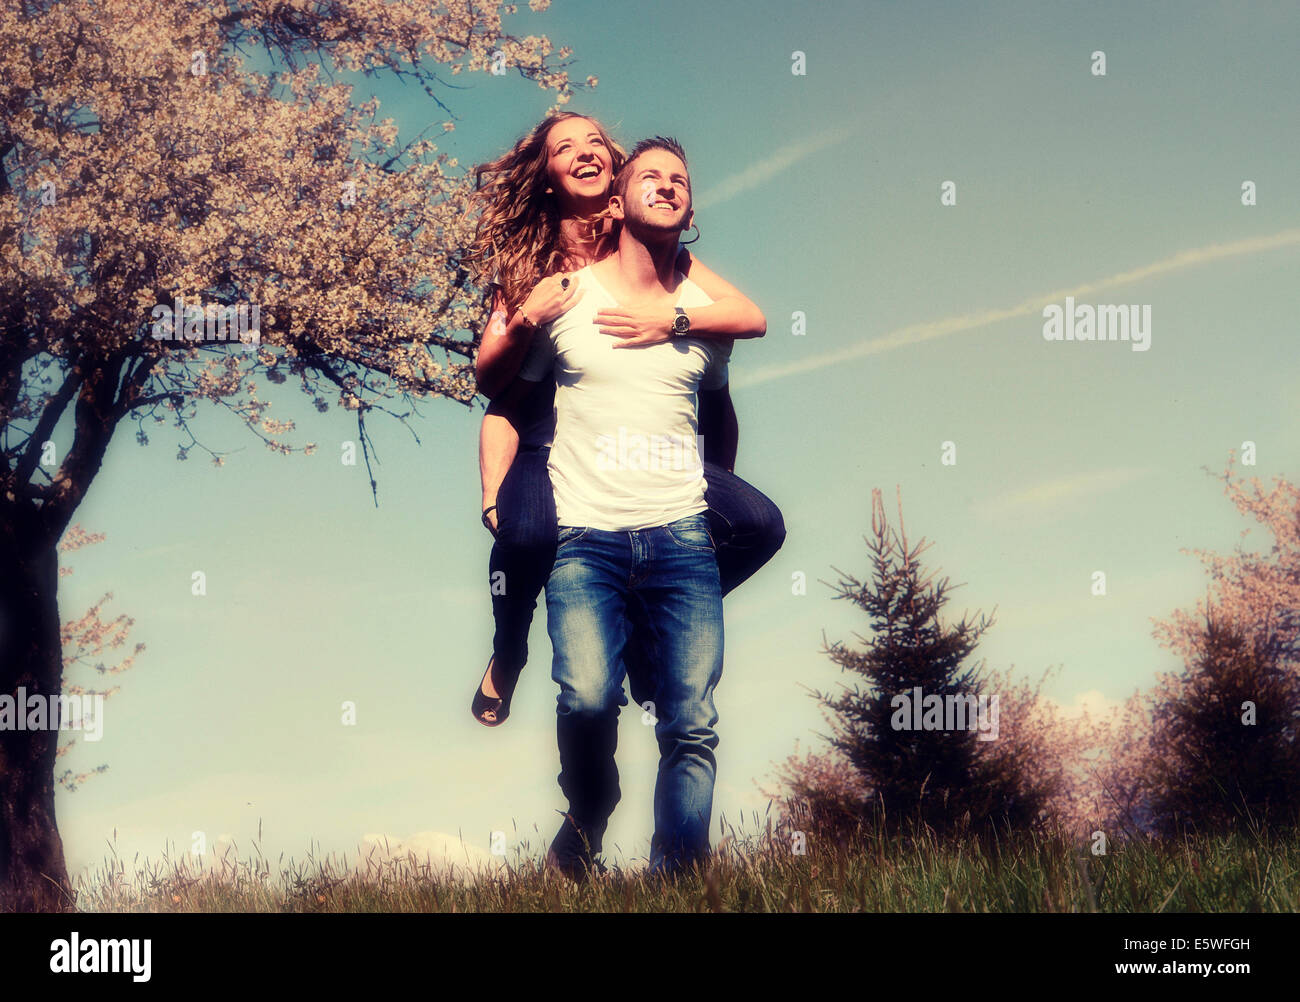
868	872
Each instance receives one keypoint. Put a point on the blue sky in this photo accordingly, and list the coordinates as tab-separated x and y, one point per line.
815	193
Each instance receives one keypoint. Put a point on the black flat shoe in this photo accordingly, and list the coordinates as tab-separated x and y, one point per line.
492	711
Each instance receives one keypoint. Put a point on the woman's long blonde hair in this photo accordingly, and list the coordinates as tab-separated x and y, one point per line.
518	237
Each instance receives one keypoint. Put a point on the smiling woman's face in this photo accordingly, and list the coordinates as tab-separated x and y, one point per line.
580	165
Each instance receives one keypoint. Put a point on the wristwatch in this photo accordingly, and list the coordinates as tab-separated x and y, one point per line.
681	322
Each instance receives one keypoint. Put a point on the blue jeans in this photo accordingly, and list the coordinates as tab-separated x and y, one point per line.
670	574
747	529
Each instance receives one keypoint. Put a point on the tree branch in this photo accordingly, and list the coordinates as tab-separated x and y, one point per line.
97	414
53	410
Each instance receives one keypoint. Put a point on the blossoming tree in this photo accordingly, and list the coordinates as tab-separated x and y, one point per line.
1217	746
146	162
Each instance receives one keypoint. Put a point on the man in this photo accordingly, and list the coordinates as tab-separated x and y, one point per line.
633	533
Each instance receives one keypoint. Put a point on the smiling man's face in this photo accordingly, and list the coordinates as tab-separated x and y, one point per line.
658	192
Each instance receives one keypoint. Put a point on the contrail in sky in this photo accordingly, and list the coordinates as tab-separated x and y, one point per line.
915	333
783	159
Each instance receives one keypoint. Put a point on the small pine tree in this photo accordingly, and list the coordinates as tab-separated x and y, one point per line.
940	777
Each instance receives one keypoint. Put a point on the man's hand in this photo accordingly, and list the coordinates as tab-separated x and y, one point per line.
638	325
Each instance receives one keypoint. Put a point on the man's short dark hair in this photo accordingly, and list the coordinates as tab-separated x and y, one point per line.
645	145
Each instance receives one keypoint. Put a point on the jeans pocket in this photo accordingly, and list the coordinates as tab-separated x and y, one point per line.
570	533
693	535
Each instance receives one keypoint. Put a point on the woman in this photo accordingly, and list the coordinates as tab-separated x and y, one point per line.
544	215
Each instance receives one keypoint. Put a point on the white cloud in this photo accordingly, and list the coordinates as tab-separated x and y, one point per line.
444	855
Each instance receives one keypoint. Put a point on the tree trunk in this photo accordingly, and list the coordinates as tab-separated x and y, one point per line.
33	875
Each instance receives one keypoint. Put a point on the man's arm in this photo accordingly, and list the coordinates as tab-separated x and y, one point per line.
719	427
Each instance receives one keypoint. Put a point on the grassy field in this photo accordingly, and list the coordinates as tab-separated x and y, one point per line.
868	872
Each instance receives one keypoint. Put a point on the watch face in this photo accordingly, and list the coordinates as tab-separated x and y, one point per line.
681	323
